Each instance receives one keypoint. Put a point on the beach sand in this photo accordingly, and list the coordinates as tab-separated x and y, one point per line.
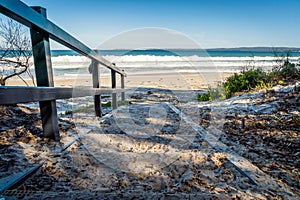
165	80
114	160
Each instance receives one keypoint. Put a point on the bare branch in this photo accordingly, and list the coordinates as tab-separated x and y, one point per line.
23	80
15	51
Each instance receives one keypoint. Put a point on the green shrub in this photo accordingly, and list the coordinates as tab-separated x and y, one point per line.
120	103
217	93
289	70
107	104
68	112
124	103
244	82
252	79
85	109
204	97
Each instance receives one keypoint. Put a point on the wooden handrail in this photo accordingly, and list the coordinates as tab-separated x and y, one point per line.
41	29
17	94
24	14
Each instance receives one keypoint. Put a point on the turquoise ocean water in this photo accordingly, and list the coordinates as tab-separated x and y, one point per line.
179	60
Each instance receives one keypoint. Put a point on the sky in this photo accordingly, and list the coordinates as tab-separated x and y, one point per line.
210	23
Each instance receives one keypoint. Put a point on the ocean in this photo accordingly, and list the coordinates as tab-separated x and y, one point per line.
68	62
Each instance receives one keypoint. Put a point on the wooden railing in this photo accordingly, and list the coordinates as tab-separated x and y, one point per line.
41	29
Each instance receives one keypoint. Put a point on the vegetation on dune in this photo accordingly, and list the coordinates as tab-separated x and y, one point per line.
253	79
246	81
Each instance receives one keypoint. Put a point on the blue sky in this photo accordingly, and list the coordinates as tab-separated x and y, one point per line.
211	23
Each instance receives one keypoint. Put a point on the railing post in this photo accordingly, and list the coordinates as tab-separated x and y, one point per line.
96	84
44	77
122	87
113	85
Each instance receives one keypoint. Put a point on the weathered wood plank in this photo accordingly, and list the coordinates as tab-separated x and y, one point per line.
122	86
44	77
113	85
17	94
20	12
16	179
96	84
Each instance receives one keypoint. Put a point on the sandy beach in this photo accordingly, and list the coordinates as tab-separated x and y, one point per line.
164	80
162	143
149	150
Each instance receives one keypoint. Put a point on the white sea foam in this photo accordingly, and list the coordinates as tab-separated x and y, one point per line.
67	62
183	63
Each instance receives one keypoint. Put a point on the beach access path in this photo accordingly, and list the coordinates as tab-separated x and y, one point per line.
165	144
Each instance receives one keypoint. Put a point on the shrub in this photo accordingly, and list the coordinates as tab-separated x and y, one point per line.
252	79
244	82
120	103
204	97
218	93
68	112
213	94
289	70
124	103
107	104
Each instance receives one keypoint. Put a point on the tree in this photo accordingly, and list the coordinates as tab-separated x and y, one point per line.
15	51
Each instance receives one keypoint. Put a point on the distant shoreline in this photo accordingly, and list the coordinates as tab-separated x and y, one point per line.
256	49
259	49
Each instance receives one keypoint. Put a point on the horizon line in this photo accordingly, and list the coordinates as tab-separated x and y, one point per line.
211	48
